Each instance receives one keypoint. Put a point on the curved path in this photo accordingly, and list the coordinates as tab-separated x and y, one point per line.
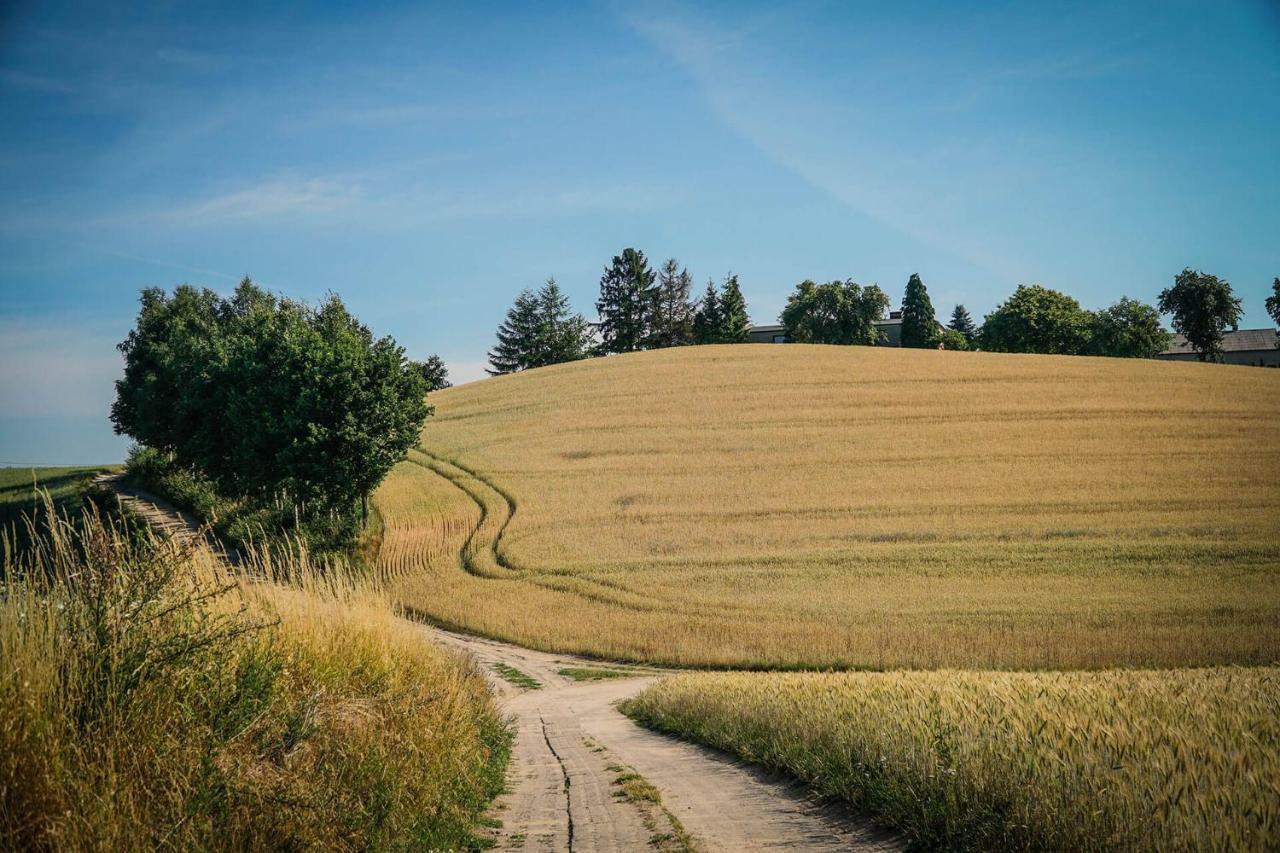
574	751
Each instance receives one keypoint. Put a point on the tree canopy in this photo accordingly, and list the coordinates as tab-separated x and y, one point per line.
539	329
1203	306
838	312
268	397
961	322
734	322
1273	304
919	325
1128	329
435	372
1037	319
625	306
671	323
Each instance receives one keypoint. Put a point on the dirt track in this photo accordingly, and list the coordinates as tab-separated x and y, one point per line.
572	745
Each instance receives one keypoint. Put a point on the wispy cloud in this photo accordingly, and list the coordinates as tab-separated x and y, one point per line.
41	83
272	199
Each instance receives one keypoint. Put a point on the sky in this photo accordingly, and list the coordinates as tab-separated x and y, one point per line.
428	161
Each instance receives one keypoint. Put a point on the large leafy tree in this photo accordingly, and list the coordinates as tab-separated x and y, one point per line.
919	325
625	306
961	322
518	336
707	318
269	398
1273	304
1128	329
837	312
671	322
734	321
1037	319
1203	306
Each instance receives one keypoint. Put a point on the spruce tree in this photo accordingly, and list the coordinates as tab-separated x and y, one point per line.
626	303
706	319
961	322
562	335
734	322
919	326
673	313
517	336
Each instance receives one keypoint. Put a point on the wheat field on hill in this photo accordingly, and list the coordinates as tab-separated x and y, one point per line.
819	506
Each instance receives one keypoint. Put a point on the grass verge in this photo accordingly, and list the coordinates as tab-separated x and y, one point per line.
150	699
1117	760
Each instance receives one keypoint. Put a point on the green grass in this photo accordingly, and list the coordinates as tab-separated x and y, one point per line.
20	487
582	673
516	677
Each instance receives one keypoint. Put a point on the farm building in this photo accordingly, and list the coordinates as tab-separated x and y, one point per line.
774	333
1247	346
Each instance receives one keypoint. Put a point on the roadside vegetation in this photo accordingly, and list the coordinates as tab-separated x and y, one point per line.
1121	760
151	699
850	507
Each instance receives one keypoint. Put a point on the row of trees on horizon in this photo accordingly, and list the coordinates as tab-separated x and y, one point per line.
640	308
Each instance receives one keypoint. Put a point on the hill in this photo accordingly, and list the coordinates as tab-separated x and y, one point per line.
757	506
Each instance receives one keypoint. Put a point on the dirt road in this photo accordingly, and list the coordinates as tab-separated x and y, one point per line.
583	777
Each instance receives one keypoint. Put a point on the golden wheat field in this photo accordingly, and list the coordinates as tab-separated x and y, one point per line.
784	506
1122	760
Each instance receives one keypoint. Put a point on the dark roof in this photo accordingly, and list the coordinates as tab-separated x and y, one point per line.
1245	340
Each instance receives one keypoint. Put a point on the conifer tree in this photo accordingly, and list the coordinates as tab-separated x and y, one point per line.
734	322
626	303
517	336
563	335
707	319
919	326
961	322
673	314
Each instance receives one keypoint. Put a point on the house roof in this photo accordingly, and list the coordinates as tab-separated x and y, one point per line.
1245	340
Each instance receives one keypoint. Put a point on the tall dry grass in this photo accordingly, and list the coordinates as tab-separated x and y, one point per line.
1121	760
150	699
807	506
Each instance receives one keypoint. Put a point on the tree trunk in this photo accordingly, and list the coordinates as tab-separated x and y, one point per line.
364	509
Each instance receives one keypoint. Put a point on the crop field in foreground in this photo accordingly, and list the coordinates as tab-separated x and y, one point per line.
789	506
1122	760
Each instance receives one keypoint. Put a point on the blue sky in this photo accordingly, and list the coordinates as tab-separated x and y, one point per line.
428	162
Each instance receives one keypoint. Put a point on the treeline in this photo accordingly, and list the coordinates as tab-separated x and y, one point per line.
643	309
296	412
639	308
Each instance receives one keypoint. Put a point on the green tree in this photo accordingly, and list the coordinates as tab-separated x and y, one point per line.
734	322
1037	319
838	312
950	339
518	336
270	399
434	373
707	319
1273	304
1128	329
1202	306
672	313
626	303
919	325
562	335
961	322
